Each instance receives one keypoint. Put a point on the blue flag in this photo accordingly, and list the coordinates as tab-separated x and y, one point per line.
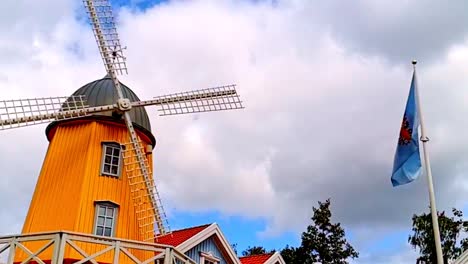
407	162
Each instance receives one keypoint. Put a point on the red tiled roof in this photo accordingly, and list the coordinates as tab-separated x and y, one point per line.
178	237
255	259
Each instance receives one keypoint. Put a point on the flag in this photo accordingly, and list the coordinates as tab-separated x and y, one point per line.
407	162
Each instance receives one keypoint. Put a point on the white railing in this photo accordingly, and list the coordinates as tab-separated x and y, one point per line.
462	259
57	247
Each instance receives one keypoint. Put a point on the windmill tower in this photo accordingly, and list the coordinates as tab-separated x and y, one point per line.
88	178
97	174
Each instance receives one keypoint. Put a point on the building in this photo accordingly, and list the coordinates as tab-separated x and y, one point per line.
83	208
206	244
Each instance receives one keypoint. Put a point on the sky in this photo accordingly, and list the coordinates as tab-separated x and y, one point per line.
324	84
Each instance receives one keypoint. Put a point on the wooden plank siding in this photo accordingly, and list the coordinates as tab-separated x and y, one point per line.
70	183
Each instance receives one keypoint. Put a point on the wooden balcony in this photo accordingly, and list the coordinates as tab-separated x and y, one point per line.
69	247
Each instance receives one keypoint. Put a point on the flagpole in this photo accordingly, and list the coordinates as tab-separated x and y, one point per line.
425	140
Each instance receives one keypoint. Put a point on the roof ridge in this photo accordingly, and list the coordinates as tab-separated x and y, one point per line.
187	228
259	255
177	237
183	229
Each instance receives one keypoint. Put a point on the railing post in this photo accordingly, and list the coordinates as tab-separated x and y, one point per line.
61	250
168	256
56	249
11	254
117	252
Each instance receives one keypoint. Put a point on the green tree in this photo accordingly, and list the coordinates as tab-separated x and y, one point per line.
234	247
256	250
293	255
450	229
322	242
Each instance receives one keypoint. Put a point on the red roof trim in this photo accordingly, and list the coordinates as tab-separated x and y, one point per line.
178	237
256	259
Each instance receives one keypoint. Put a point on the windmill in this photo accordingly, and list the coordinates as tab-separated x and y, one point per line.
147	204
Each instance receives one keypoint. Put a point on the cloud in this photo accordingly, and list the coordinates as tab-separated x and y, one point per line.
324	95
403	255
398	30
326	118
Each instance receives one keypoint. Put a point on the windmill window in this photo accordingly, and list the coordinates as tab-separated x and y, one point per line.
111	159
106	214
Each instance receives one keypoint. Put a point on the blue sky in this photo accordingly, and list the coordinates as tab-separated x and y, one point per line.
237	229
140	4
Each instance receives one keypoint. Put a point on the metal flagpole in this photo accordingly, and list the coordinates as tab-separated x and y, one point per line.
424	140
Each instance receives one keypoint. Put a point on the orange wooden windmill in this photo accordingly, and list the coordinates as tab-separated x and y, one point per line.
96	177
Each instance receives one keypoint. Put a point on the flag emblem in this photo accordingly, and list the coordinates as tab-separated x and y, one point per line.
405	132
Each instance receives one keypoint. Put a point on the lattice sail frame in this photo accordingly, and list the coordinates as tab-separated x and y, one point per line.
106	35
26	112
144	209
204	100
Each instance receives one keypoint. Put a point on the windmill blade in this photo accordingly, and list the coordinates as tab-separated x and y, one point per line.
143	172
26	112
142	201
100	13
105	32
204	100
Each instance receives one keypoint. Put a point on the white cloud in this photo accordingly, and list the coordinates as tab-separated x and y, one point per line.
404	255
320	120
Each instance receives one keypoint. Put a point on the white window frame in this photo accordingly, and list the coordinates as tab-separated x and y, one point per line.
113	145
208	258
97	215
